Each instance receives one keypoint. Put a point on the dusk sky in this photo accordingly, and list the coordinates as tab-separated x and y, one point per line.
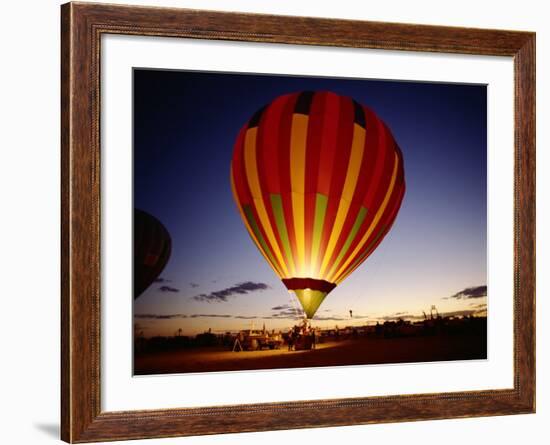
185	125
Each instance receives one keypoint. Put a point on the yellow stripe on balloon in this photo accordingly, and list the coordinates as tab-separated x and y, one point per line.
374	223
247	225
352	175
298	140
251	169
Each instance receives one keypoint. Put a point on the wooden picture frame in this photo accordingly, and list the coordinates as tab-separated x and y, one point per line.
83	24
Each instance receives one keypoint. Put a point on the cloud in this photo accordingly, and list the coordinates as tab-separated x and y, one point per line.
480	310
168	289
175	316
359	316
463	313
402	315
162	280
238	289
281	307
287	312
396	316
193	285
470	292
159	316
333	318
210	316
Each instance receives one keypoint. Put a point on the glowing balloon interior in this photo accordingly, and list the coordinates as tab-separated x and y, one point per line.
318	180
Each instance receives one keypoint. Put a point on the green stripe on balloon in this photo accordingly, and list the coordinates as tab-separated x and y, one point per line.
254	225
278	212
321	202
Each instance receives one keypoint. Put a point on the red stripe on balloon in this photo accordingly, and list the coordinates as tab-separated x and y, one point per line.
339	169
328	145
383	164
270	151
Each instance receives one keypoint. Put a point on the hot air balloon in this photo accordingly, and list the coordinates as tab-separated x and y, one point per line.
152	247
318	180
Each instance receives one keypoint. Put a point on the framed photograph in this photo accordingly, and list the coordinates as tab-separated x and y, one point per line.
274	222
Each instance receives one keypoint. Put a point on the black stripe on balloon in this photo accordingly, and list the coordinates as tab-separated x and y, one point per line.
255	121
303	103
359	115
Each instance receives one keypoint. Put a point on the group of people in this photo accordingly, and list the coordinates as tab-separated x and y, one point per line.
302	333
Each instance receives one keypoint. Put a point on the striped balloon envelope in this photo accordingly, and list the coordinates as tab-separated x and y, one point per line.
318	179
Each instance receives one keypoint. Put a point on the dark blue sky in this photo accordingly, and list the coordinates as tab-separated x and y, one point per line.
185	124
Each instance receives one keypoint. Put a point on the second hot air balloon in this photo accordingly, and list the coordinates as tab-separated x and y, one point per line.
152	248
318	180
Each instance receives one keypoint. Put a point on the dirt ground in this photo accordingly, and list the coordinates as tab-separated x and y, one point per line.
359	351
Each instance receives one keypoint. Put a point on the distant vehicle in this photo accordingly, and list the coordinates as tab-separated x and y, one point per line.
256	340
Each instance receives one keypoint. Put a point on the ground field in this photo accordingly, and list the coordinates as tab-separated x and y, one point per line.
359	351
